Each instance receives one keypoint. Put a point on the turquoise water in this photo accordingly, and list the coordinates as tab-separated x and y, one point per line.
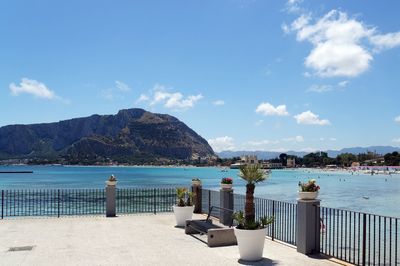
338	189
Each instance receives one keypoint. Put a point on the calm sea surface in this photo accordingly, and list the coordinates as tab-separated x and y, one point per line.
338	189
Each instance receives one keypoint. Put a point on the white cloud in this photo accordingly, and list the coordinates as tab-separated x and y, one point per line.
268	109
285	28
397	119
294	139
342	46
343	83
308	149
326	88
264	144
258	143
278	150
309	118
122	86
142	98
300	22
330	139
218	102
117	92
222	144
331	59
175	100
385	41
171	100
33	87
320	88
293	6
396	140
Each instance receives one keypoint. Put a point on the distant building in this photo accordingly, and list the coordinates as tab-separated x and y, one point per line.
291	162
374	161
249	159
355	164
331	166
270	165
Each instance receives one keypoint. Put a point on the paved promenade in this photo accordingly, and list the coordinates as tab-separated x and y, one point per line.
124	240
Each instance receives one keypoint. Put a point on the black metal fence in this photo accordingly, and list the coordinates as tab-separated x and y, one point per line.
52	202
285	213
359	238
145	200
63	202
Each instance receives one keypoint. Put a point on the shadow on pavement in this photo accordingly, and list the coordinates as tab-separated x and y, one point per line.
263	261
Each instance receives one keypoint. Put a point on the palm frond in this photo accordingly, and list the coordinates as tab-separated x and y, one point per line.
252	173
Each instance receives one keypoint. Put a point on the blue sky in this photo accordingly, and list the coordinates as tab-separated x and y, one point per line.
254	75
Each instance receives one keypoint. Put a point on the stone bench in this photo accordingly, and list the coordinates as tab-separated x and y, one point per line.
217	235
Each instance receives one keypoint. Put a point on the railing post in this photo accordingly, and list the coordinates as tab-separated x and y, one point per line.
197	191
154	201
111	199
209	200
273	224
58	203
2	204
308	226
226	202
364	238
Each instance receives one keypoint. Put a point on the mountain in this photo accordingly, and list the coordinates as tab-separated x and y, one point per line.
132	135
357	150
265	155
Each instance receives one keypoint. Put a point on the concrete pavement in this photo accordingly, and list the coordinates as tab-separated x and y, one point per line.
125	240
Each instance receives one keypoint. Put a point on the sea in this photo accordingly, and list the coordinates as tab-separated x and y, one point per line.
377	194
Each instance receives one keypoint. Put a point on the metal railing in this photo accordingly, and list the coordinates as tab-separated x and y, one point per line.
51	202
63	202
354	237
145	200
285	213
359	238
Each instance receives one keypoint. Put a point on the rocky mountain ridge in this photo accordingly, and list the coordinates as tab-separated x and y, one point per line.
130	136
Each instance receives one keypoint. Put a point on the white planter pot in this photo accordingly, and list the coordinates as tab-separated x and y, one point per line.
182	214
308	195
226	186
250	243
111	183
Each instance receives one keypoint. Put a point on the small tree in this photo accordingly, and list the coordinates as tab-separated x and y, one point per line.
252	174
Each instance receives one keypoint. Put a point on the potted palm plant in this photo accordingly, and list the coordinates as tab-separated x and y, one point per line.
250	234
183	210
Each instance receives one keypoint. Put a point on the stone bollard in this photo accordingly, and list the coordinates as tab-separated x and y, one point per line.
111	198
308	226
197	196
226	201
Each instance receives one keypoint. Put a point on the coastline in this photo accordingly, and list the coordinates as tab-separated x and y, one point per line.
349	170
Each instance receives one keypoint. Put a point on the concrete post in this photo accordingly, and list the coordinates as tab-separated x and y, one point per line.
308	226
226	201
197	196
111	199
